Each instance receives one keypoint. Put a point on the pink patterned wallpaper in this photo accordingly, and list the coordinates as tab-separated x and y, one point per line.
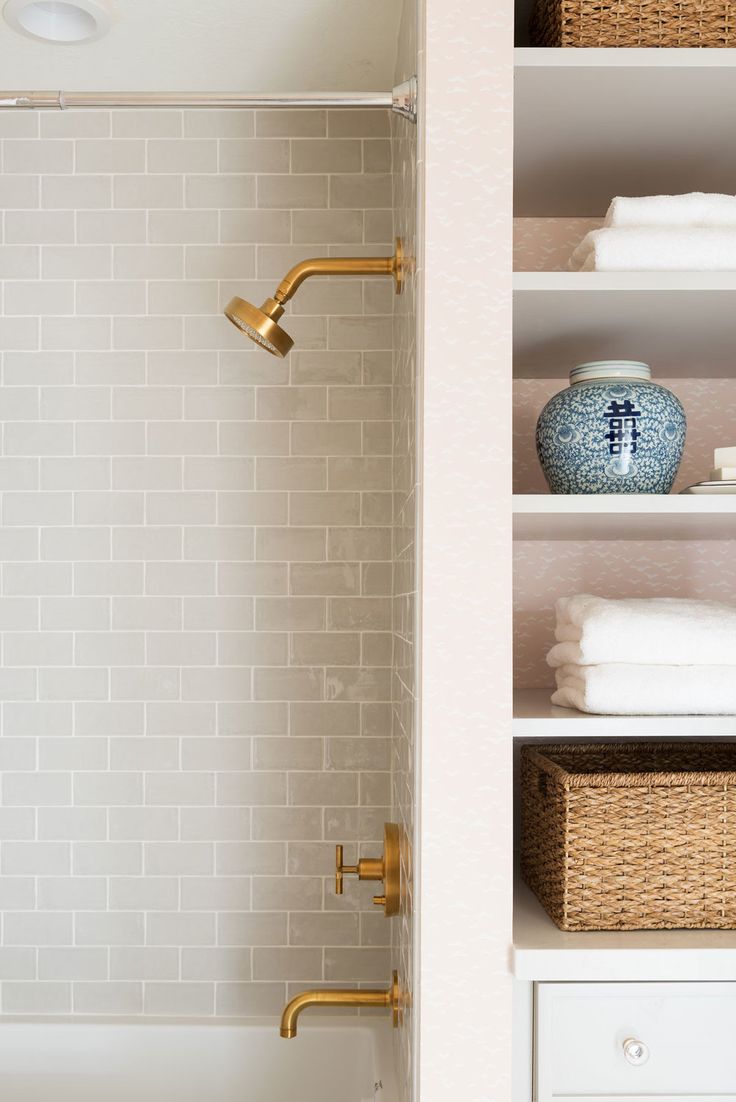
545	244
545	570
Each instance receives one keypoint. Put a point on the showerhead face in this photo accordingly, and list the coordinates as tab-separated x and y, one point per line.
259	325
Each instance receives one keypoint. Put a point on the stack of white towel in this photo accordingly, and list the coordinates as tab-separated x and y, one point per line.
694	232
664	656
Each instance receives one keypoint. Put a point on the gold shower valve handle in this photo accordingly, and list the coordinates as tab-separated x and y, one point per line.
386	868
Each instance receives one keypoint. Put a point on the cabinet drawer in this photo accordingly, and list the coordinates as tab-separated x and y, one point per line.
688	1030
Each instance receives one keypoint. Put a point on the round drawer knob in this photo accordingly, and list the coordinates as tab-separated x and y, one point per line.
636	1052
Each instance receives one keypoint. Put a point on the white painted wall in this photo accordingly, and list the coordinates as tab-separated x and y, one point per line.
465	811
245	45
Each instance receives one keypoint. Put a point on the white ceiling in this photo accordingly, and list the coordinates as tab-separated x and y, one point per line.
218	45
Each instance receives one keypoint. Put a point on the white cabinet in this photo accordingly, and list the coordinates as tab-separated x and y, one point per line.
600	1042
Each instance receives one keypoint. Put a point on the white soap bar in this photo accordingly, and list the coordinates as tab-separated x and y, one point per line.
723	474
724	457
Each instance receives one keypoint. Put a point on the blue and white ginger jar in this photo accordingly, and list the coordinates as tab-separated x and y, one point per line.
612	431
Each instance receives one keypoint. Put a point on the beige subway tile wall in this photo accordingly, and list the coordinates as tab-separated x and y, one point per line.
196	602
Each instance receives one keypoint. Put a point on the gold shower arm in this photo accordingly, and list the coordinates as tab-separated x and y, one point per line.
336	266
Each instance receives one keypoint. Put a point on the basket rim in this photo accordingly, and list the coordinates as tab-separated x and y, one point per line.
668	778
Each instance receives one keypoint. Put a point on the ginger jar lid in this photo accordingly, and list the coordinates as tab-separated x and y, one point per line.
610	369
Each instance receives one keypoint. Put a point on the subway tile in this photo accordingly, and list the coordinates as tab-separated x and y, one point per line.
17	964
286	123
331	368
221	192
220	262
19	192
19	262
253	718
325	929
114	227
179	859
225	123
148	192
110	156
287	893
287	964
328	155
220	893
328	579
251	789
327	508
185	156
176	928
359	123
216	964
220	684
179	998
76	261
139	123
37	998
36	858
319	789
33	157
294	190
182	227
277	824
72	963
361	332
254	438
147	262
247	858
334	718
174	788
222	473
357	964
150	893
212	824
146	683
143	823
251	578
255	227
366	403
291	474
43	227
252	929
249	999
138	963
108	998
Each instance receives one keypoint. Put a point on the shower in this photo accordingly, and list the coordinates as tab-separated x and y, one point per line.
261	323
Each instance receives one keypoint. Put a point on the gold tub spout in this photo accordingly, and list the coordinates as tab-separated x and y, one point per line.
350	996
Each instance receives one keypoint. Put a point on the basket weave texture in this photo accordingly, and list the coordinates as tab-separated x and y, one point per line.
658	23
631	837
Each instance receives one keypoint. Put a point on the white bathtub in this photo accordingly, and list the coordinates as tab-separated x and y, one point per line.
329	1061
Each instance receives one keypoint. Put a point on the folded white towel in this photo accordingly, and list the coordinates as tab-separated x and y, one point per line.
656	248
665	631
696	208
624	689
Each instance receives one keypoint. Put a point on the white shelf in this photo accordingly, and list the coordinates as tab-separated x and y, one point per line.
628	126
535	57
541	952
535	717
682	323
623	517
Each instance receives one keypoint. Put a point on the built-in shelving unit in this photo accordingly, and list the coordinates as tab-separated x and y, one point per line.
561	318
543	952
591	124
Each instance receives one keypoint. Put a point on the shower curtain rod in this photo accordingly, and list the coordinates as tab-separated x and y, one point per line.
401	99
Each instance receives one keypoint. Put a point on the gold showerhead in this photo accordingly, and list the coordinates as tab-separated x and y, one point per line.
261	324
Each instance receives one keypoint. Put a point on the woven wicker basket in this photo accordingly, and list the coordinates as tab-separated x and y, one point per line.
631	837
710	23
